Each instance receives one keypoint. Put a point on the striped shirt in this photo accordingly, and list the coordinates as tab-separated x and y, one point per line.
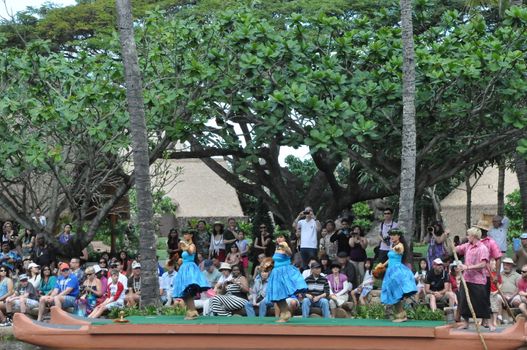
317	286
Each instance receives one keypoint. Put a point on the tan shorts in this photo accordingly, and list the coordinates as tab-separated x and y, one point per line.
495	303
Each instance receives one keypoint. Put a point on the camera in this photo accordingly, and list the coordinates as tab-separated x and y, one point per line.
306	212
430	229
386	240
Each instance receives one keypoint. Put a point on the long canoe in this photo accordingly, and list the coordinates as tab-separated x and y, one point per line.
66	331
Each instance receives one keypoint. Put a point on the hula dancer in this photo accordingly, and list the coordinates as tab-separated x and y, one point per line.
189	280
399	280
285	280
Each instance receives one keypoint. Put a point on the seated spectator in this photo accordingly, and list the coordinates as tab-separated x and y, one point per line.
114	296
339	288
47	281
256	267
33	271
6	285
347	268
25	297
307	272
437	286
317	292
495	299
103	264
210	272
522	290
64	294
166	283
102	276
225	270
27	242
257	298
234	256
75	266
134	286
91	290
232	295
326	265
9	257
509	287
366	286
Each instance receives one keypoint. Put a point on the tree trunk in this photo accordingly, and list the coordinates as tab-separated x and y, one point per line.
468	217
521	173
408	156
501	187
134	96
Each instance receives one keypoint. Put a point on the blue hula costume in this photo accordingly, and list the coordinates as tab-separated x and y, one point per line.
284	281
189	280
398	281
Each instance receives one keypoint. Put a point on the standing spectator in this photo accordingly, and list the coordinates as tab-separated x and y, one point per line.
436	245
9	235
217	242
34	274
230	234
75	266
243	247
39	218
27	242
386	225
326	246
47	281
520	257
317	292
342	236
437	286
203	238
476	259
42	253
261	244
9	257
358	243
26	296
65	235
173	245
134	285
339	288
64	294
498	231
114	296
307	230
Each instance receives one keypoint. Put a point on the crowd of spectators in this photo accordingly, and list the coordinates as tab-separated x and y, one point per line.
331	255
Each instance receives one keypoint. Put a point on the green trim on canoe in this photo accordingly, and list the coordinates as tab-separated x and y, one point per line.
295	321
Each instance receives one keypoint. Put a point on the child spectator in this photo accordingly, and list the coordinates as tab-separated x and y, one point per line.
420	279
114	296
243	247
495	299
234	257
366	286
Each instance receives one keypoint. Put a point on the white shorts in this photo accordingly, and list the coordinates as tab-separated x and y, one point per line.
30	303
115	304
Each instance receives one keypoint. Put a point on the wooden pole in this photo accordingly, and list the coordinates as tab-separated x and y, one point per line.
467	295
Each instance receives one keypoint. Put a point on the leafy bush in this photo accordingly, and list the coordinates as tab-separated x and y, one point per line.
363	215
513	211
372	311
424	313
148	311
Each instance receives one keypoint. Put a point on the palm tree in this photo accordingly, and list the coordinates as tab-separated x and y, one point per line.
408	153
134	97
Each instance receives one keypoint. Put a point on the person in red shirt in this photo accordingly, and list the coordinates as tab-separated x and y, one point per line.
522	290
495	299
114	296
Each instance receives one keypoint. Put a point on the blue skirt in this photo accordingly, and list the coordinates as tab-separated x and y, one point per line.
284	282
189	281
397	284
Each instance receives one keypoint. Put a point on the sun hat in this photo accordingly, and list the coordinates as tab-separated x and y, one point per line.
225	266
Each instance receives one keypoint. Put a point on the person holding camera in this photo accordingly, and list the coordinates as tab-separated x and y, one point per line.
307	228
358	243
342	237
436	246
386	225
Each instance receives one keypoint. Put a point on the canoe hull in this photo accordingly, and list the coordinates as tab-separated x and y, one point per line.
78	334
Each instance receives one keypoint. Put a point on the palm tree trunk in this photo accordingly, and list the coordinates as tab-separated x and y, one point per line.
501	187
408	154
134	97
468	217
521	173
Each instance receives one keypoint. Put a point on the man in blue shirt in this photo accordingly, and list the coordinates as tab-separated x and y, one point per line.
9	257
64	294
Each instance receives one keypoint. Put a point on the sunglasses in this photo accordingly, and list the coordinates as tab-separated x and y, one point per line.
3	271
89	274
64	270
524	271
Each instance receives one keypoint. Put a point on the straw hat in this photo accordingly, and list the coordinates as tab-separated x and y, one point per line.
225	266
483	225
